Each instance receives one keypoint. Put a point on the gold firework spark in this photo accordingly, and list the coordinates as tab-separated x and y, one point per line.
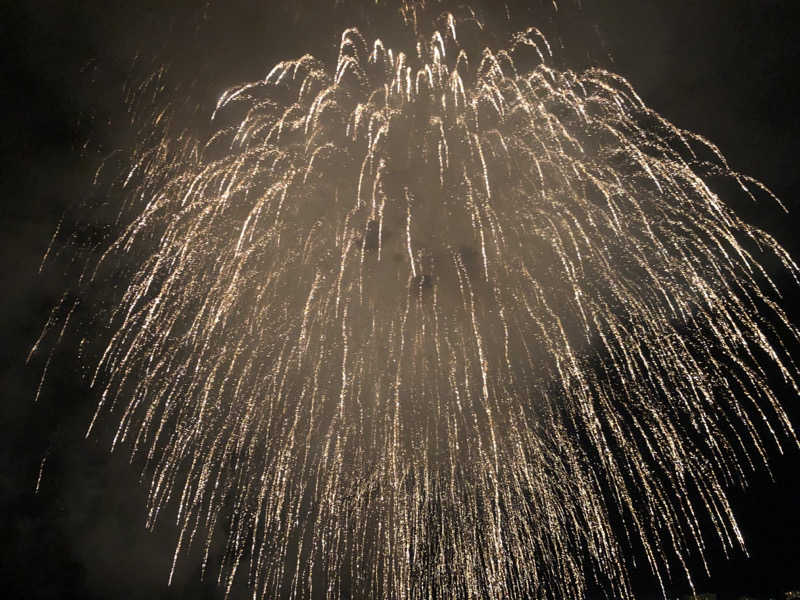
441	323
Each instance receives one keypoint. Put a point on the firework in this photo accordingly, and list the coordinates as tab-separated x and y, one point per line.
440	322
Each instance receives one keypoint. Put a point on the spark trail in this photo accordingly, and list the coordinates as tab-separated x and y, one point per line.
441	323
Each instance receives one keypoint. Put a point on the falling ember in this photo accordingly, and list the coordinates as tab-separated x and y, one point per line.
441	323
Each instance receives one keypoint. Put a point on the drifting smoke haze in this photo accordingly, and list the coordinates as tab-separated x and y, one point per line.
436	318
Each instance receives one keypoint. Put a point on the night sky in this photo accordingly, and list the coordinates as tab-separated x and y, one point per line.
724	69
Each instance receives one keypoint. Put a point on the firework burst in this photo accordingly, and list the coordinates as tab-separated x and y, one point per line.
440	323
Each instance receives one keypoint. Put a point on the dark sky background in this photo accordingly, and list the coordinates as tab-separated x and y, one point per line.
724	69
